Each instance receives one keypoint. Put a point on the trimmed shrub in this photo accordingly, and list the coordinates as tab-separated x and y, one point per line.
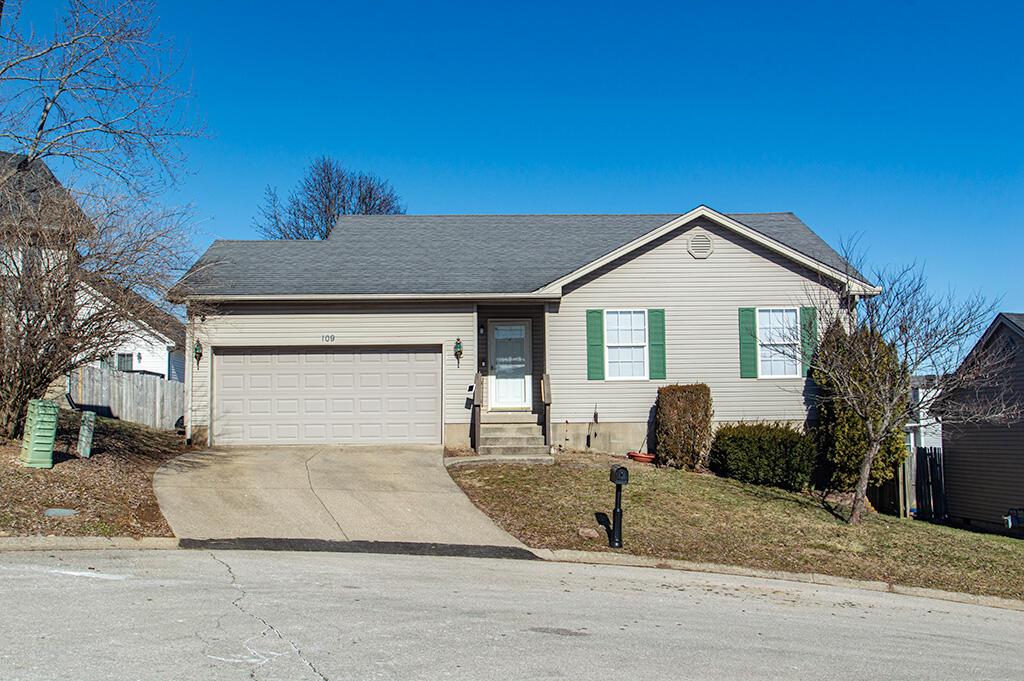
841	435
764	454
682	426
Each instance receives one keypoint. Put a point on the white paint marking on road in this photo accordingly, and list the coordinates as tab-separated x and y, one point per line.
69	573
258	661
93	575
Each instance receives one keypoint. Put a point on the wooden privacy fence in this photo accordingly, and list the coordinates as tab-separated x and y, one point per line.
916	488
139	398
931	489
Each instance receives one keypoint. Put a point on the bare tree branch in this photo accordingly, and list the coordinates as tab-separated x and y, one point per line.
79	264
77	272
101	91
874	345
327	191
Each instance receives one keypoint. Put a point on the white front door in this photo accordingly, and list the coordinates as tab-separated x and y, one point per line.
510	363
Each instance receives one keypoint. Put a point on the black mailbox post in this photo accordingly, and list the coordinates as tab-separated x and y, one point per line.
620	476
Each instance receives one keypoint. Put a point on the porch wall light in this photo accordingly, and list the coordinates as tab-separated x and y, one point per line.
197	352
458	351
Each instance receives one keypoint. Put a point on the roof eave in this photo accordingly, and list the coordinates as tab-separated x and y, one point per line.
365	297
1001	320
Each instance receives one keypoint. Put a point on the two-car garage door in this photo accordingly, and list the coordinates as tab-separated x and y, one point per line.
313	395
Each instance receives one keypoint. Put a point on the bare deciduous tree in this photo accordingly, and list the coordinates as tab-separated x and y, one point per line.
99	91
327	191
921	333
74	274
78	261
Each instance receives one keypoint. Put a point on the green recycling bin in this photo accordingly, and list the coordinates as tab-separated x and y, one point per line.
40	434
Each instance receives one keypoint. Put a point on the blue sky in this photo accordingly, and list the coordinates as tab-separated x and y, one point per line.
900	122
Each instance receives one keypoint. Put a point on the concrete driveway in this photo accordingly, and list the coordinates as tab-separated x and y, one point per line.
341	493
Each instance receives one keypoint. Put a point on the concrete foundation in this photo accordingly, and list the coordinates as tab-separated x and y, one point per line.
200	436
456	435
614	438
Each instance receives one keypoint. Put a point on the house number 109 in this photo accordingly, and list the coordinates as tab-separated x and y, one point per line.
327	338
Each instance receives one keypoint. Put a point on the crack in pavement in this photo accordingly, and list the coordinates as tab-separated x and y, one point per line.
309	481
259	659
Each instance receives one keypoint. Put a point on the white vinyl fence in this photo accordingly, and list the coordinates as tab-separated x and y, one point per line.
139	398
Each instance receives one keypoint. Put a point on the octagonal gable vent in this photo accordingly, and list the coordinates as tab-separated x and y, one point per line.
700	245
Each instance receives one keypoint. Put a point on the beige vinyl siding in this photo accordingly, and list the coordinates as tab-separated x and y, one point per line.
983	465
305	325
701	299
197	398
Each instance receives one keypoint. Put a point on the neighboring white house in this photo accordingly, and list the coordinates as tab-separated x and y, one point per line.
511	333
156	344
152	353
924	430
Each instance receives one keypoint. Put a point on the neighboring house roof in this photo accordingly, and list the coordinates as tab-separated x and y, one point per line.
31	185
462	254
923	381
1015	319
162	322
143	311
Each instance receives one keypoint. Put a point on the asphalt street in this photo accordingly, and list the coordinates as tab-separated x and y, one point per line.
219	614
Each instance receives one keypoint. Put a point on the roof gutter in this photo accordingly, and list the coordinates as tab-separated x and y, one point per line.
367	297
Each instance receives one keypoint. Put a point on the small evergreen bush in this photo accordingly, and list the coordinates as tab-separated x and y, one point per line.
682	426
841	435
764	454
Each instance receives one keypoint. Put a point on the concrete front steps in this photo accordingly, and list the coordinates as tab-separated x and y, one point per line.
512	434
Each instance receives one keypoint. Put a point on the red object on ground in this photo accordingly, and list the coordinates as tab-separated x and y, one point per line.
641	458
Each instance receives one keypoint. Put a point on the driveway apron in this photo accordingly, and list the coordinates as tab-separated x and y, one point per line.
340	493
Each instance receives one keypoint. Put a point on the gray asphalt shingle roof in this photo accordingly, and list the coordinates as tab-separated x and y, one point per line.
1017	318
26	190
444	254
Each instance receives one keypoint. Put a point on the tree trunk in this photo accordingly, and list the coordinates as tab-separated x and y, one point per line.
12	418
860	497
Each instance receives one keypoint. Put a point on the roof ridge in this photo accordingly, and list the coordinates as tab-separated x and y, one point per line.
267	241
770	212
508	215
542	215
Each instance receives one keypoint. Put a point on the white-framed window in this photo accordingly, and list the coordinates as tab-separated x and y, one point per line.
125	361
625	345
778	342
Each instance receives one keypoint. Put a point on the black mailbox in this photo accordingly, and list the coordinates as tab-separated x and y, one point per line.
619	475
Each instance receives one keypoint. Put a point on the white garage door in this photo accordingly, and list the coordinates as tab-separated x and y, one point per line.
308	396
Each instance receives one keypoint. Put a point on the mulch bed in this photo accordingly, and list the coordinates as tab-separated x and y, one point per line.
112	491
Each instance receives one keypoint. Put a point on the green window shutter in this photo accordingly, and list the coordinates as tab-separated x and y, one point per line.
748	342
595	345
656	344
808	335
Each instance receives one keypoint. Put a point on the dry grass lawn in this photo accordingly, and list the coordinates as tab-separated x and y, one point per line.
112	490
674	514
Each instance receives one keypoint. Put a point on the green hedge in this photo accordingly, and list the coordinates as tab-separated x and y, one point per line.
682	426
764	454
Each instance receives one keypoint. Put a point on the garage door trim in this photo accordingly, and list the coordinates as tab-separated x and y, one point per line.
343	428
